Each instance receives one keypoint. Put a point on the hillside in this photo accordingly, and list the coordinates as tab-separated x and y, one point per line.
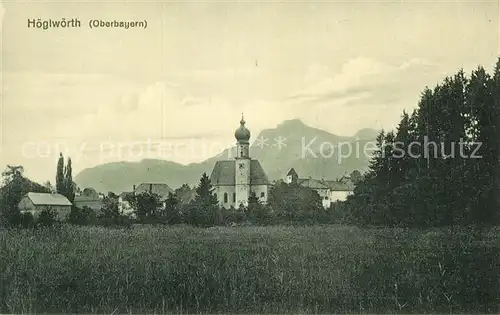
305	148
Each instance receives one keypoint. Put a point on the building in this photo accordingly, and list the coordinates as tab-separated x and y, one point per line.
162	190
329	190
93	202
234	180
35	203
123	205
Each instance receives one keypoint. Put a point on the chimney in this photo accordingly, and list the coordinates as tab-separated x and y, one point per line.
150	187
133	187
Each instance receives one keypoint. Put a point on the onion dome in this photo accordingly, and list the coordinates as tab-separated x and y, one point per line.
242	134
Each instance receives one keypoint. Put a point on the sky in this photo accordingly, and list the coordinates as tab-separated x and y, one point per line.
102	95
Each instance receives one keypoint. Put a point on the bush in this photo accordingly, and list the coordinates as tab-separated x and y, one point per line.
83	216
27	220
118	220
48	217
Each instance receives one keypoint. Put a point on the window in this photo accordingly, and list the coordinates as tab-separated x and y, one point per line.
262	194
234	197
326	197
216	196
225	197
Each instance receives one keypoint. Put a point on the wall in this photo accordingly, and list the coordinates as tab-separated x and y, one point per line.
62	212
124	207
242	181
325	195
220	190
258	189
26	205
340	195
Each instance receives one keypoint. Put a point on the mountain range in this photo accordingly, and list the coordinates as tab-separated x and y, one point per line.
312	152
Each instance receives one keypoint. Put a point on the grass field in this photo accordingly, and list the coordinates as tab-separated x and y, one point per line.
330	269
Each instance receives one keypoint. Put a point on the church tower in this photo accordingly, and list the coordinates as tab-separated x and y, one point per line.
242	173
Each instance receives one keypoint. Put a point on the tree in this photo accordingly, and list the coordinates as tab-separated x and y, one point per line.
60	179
482	92
16	186
49	186
184	194
294	203
203	209
256	211
83	216
90	192
47	217
12	173
172	210
69	186
144	204
355	176
440	183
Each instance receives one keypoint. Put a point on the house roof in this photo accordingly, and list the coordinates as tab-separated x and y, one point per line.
86	198
43	199
292	172
125	194
94	204
339	185
224	173
163	190
311	183
326	184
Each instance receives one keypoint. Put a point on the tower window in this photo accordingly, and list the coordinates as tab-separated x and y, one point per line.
234	197
225	197
262	194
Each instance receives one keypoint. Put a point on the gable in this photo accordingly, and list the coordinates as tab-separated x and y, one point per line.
163	190
224	173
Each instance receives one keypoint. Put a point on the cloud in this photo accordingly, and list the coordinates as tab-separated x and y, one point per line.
363	80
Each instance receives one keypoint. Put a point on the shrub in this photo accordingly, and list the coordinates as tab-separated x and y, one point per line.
82	216
47	217
27	220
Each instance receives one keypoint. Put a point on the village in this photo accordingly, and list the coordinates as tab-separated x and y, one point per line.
249	157
233	181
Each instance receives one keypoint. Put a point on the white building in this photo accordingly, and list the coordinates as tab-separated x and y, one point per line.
329	190
235	180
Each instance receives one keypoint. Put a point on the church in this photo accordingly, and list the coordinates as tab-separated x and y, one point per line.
234	180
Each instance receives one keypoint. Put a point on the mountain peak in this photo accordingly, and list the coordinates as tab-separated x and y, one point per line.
366	134
292	122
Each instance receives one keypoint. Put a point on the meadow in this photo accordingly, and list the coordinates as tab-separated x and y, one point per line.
180	269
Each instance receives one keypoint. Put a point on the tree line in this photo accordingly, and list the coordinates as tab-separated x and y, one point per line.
441	166
287	204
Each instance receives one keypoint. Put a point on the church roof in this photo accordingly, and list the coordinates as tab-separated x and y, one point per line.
225	171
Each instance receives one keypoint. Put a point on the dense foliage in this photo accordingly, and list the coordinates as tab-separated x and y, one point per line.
442	165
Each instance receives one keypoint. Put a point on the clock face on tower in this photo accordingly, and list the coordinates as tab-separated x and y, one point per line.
241	166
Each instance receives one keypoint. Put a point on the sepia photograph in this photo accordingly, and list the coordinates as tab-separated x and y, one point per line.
249	157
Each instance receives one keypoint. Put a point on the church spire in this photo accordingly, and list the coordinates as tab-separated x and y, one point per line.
242	134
